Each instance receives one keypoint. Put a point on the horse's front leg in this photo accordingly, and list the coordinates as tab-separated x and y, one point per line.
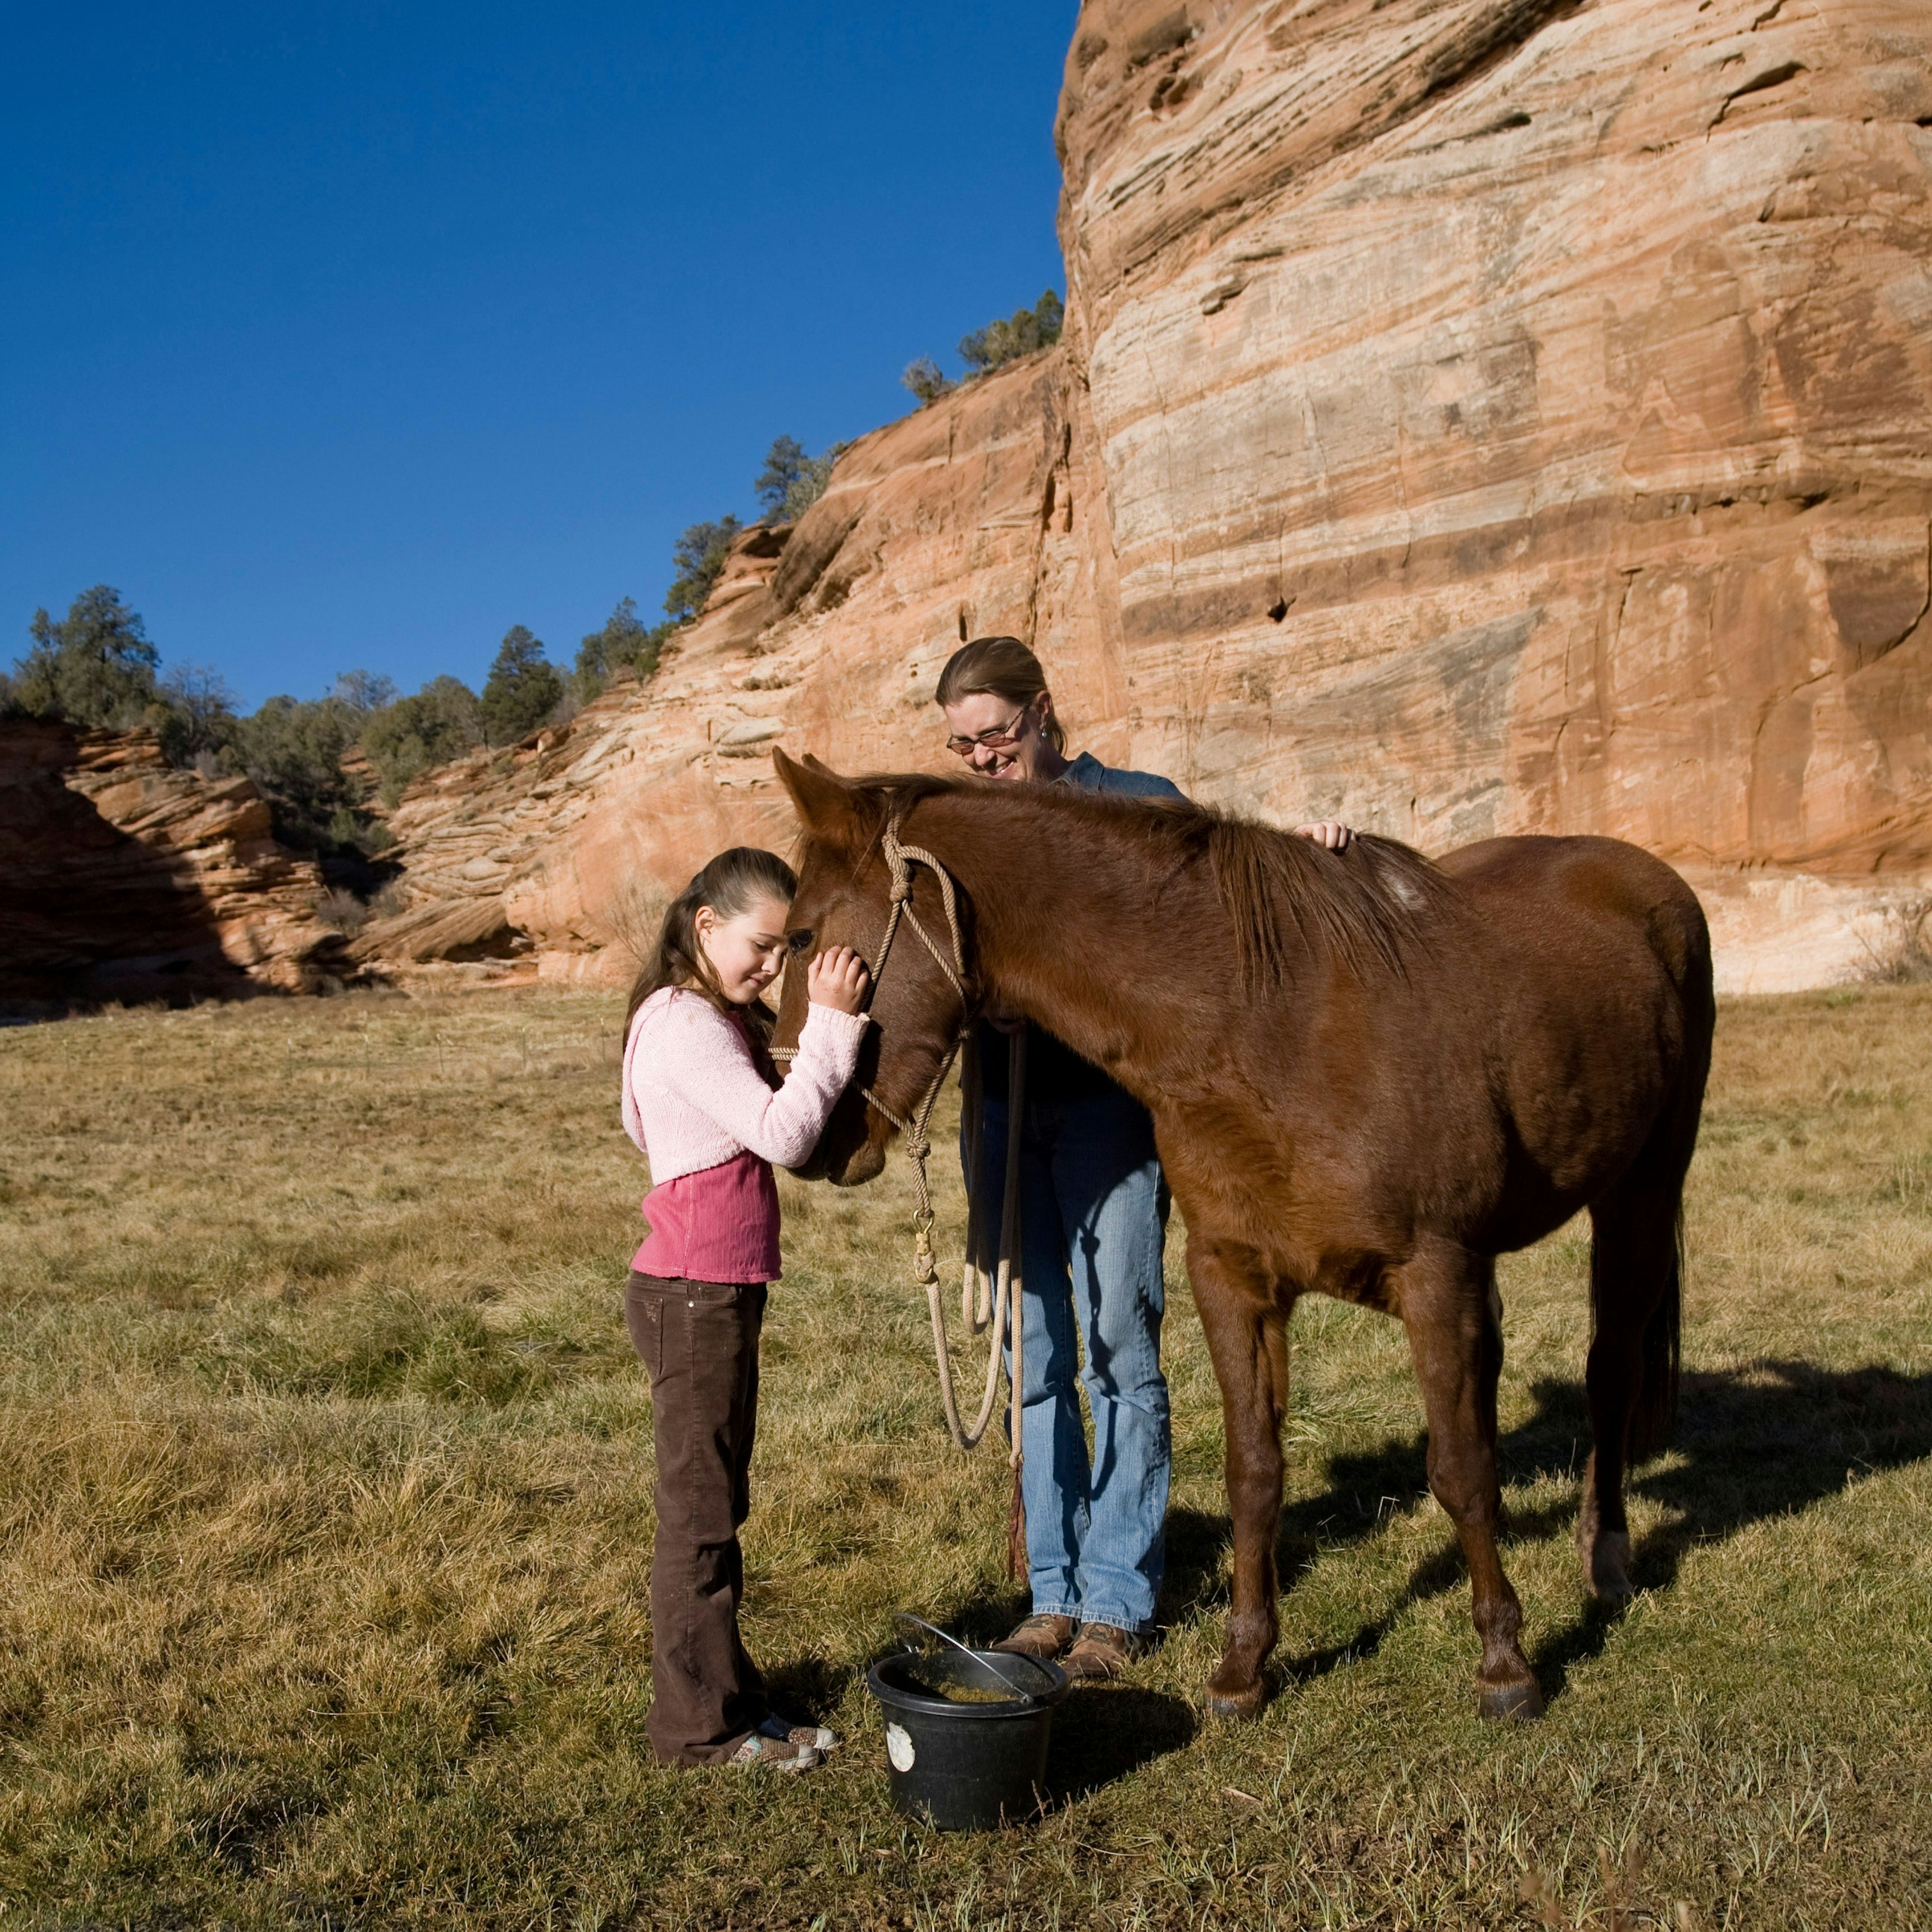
1247	1327
1449	1305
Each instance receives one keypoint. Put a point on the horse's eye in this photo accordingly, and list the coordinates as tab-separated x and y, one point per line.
800	941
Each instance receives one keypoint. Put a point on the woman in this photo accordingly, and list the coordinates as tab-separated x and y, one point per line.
1094	1209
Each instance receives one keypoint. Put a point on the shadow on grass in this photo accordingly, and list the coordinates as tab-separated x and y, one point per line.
807	1689
1765	1441
1103	1732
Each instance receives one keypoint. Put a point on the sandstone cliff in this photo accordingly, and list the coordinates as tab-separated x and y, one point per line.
1496	415
1517	416
127	879
966	517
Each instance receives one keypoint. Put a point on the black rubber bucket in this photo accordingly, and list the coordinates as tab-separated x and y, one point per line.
975	1759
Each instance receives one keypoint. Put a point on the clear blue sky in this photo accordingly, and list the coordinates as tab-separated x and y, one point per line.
350	335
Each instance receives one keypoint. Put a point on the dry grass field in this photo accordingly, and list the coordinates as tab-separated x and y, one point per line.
324	1522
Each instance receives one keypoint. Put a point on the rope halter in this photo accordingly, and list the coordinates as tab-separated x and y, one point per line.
900	859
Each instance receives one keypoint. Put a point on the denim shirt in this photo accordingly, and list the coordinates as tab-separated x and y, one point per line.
1054	1072
1088	773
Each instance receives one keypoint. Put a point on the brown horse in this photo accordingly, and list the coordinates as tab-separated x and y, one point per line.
1369	1074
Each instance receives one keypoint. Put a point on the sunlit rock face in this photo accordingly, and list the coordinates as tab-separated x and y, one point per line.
1518	417
1474	418
554	859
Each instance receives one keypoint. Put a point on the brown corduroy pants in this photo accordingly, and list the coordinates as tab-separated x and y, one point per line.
699	1339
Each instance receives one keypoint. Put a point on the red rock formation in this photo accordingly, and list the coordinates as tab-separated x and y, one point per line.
1494	415
1518	416
828	637
128	879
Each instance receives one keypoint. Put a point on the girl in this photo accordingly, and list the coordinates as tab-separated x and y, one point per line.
699	1102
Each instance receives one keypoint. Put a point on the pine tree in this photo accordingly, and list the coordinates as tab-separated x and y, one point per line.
698	557
522	689
94	667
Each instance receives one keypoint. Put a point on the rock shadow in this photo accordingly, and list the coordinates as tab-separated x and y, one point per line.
90	915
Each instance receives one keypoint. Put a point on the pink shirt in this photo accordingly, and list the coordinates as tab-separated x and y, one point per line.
696	1105
719	1224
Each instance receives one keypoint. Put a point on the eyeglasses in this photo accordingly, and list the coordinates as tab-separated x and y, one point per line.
996	740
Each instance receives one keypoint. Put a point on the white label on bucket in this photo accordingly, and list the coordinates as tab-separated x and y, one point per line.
898	1747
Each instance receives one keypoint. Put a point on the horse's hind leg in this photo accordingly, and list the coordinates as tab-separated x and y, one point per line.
1632	1373
1448	1304
1246	1328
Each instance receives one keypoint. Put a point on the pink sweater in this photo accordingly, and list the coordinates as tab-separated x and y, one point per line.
697	1107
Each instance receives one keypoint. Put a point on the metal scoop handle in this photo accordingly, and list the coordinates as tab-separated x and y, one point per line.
1025	1697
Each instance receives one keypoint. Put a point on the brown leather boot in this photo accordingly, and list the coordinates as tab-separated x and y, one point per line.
1042	1636
1103	1650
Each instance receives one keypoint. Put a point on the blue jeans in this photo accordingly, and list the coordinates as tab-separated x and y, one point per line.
1094	1209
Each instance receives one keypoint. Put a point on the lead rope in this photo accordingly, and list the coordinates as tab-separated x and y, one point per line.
1000	1303
994	1300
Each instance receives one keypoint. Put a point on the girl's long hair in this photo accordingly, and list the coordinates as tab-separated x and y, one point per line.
1004	667
729	884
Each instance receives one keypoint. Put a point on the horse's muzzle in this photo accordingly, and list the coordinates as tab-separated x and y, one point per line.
848	1154
865	1162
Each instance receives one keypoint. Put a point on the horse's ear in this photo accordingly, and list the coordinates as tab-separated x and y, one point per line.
828	807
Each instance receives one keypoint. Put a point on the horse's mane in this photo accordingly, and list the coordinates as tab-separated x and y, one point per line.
1369	908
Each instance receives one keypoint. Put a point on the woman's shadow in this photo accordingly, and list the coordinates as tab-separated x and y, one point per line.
1774	1437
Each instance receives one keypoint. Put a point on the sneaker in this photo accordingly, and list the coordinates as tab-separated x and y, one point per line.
1103	1650
1043	1636
756	1751
815	1737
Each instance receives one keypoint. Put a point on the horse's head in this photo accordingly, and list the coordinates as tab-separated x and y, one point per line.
845	897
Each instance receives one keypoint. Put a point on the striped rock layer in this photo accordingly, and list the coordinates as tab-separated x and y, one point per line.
126	880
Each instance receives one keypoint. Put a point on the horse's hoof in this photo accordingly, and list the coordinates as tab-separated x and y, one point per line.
1509	1703
1238	1704
1607	1571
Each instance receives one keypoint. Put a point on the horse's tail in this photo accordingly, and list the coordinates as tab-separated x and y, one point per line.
1636	1262
1655	1196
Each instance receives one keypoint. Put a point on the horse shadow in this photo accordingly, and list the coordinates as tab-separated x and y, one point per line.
1772	1437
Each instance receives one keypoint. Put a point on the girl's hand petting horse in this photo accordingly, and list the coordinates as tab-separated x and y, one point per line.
836	978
